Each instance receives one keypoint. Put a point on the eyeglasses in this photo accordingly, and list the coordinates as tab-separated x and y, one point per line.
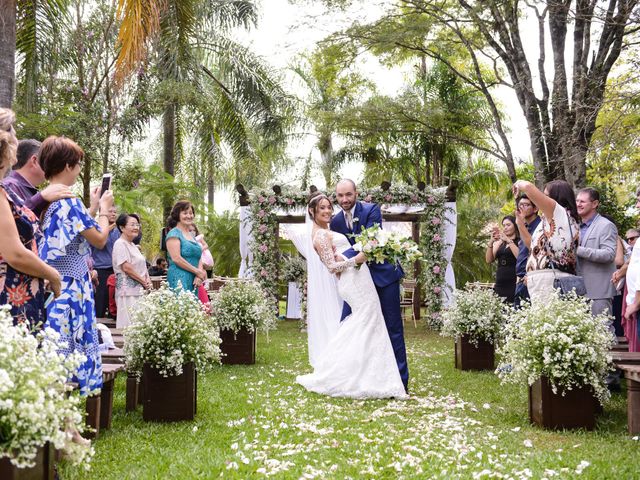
133	224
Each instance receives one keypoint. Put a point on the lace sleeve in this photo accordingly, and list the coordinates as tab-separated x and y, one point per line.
324	247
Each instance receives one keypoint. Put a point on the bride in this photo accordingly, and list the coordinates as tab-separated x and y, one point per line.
358	361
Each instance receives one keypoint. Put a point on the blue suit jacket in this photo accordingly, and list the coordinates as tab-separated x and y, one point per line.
367	215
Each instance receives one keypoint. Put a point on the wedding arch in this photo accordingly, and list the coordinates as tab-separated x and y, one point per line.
262	212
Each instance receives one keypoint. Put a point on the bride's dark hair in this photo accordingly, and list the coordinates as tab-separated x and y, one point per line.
314	202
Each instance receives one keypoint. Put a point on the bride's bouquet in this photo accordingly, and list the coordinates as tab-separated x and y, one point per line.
380	245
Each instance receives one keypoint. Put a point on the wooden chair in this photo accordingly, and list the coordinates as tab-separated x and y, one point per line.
408	293
485	285
157	281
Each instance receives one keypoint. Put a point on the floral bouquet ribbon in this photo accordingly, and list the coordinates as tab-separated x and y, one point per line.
380	245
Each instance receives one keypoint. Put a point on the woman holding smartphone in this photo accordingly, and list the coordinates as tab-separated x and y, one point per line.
69	228
22	273
503	248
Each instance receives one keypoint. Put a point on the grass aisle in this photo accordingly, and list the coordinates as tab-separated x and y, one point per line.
255	421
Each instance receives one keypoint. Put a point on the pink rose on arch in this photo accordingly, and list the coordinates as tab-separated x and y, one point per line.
367	198
262	213
414	198
289	201
435	315
263	247
437	238
435	221
272	199
431	199
437	290
262	228
436	269
264	273
261	199
388	197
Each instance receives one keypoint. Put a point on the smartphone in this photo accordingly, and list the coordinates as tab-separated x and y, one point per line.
106	183
49	299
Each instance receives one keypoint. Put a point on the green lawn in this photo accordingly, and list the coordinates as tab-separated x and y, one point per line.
254	421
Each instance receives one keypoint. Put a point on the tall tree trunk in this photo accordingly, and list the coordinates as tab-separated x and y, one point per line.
325	145
7	51
169	150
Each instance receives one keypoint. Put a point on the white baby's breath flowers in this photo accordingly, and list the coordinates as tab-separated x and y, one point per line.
243	304
561	340
478	313
169	329
35	405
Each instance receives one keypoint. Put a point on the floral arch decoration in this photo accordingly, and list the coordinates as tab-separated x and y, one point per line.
269	208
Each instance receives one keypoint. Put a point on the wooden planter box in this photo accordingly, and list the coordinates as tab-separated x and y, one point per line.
470	357
576	409
238	348
169	399
43	469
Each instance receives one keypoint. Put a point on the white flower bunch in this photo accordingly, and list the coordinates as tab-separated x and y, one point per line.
561	340
35	404
380	245
478	313
243	304
169	329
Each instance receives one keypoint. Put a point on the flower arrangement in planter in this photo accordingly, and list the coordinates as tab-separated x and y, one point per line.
170	338
562	352
475	321
240	308
36	408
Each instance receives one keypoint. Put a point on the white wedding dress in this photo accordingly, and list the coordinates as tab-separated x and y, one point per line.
358	361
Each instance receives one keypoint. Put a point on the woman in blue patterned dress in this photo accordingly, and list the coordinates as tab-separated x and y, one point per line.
69	228
21	271
184	252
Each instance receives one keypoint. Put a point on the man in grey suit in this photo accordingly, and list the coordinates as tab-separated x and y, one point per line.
596	251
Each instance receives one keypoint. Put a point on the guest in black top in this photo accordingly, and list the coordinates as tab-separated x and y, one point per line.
503	247
159	269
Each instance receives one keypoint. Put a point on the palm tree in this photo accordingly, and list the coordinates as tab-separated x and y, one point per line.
209	84
7	51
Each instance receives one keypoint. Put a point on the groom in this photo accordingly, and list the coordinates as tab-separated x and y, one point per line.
356	215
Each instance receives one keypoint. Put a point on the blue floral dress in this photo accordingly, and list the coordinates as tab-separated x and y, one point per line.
73	313
191	251
24	293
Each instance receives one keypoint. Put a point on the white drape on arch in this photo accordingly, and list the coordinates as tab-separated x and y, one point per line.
450	234
246	256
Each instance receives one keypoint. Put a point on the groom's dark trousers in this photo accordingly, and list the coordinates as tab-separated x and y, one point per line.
386	278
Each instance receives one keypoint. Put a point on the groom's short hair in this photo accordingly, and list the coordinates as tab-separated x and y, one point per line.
348	180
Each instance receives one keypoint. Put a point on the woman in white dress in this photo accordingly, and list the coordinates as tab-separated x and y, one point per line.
358	361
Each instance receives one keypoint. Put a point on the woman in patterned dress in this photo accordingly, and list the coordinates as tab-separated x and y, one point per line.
554	242
21	271
69	228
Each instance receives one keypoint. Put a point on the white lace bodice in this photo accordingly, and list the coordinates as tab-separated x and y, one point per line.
325	241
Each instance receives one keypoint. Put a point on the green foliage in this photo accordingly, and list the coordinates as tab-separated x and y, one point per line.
222	233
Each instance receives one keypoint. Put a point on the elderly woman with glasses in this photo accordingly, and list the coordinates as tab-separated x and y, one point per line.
130	268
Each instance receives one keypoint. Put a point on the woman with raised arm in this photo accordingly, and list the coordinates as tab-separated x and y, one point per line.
503	248
69	228
358	362
22	273
555	241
